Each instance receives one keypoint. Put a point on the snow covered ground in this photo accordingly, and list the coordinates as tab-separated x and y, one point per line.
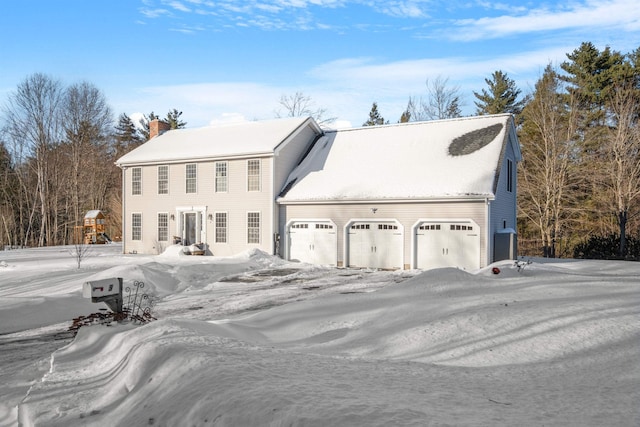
253	340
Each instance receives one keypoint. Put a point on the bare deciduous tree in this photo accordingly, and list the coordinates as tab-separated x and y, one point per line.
301	105
621	154
33	123
442	102
87	120
548	146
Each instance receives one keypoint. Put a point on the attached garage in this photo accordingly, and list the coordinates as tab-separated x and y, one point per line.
441	244
313	241
375	244
411	195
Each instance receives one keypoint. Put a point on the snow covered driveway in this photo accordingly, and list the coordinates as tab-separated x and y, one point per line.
253	340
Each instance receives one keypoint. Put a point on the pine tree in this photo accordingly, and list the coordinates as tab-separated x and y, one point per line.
590	74
144	124
127	135
502	96
173	118
374	117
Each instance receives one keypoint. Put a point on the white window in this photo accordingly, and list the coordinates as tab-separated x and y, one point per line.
253	175
253	227
221	227
136	226
136	181
163	227
191	177
163	179
509	176
221	177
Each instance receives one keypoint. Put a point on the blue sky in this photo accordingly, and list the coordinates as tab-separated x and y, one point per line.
233	60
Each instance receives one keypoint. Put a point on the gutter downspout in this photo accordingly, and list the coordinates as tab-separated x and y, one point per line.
488	240
275	211
124	217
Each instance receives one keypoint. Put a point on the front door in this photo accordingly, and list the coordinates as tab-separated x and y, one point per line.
189	232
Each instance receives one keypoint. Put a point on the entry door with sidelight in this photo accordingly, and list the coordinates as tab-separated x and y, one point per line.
191	224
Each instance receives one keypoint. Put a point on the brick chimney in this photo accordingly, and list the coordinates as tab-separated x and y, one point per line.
157	127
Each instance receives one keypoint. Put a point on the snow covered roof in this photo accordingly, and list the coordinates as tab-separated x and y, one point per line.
444	158
226	140
92	214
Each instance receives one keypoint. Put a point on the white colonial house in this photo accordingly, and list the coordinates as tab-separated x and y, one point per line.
413	195
214	186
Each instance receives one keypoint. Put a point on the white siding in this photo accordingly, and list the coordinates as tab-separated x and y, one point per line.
287	157
237	201
503	212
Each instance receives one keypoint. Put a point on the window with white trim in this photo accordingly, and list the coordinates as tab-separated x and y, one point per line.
253	175
191	174
253	227
136	226
163	227
221	227
509	175
136	181
221	177
163	179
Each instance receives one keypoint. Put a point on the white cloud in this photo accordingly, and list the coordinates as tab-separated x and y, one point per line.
228	118
592	14
178	6
154	13
205	103
284	14
346	88
404	9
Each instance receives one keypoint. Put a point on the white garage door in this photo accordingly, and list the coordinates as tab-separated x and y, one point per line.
375	245
448	244
314	242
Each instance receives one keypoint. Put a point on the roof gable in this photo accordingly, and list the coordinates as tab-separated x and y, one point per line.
444	158
221	141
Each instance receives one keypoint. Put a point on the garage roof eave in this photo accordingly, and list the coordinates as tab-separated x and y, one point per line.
456	198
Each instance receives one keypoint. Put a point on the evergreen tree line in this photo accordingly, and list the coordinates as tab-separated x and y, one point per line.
579	181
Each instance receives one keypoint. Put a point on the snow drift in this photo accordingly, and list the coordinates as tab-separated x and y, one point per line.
254	340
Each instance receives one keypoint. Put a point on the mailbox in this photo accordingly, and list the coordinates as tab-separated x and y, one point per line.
108	291
102	288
